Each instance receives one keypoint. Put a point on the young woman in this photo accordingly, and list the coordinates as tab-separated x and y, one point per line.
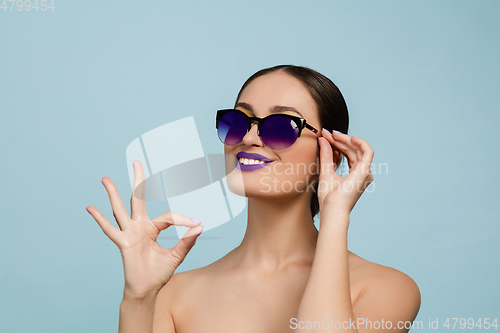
285	275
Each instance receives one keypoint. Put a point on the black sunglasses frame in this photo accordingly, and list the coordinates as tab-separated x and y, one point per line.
300	122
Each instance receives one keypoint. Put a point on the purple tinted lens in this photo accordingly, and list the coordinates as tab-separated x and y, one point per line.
279	132
232	128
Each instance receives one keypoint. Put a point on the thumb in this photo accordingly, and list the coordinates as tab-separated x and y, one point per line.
167	219
182	248
327	166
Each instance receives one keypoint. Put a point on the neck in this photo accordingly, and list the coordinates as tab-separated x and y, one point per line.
279	232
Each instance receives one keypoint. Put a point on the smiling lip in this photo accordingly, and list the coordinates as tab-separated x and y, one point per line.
252	167
253	156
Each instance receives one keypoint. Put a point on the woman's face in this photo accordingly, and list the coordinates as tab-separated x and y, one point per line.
293	169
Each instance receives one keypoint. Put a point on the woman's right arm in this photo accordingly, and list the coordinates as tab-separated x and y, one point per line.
136	314
147	266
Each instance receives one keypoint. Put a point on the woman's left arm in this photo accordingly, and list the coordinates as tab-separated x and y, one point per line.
326	303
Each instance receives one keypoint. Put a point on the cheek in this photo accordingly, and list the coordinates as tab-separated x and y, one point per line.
294	172
299	165
306	155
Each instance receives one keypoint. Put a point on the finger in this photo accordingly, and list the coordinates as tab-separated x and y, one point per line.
348	151
108	229
336	154
170	218
347	140
138	202
119	211
366	157
360	178
362	170
364	147
182	248
340	138
326	157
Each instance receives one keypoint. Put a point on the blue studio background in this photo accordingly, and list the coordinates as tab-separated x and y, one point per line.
78	84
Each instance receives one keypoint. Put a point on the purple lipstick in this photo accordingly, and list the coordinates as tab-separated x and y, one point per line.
253	156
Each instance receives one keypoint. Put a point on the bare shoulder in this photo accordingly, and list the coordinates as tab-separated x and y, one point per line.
375	274
175	296
384	288
179	286
184	286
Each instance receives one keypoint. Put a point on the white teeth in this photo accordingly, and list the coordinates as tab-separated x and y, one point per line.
249	161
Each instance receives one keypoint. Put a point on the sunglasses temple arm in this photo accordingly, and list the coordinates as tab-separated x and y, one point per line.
315	131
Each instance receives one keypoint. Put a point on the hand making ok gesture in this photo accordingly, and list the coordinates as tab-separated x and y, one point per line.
147	266
333	190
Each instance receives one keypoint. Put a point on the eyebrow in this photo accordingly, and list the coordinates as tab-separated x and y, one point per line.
274	109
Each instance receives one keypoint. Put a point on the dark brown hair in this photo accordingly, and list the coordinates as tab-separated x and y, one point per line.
330	103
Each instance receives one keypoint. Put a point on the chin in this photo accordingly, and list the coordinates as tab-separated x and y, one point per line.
263	185
247	184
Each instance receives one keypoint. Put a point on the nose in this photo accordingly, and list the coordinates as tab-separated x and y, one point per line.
251	138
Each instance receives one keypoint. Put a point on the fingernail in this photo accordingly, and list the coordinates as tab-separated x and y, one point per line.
102	181
196	221
352	136
133	164
327	130
87	211
336	131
